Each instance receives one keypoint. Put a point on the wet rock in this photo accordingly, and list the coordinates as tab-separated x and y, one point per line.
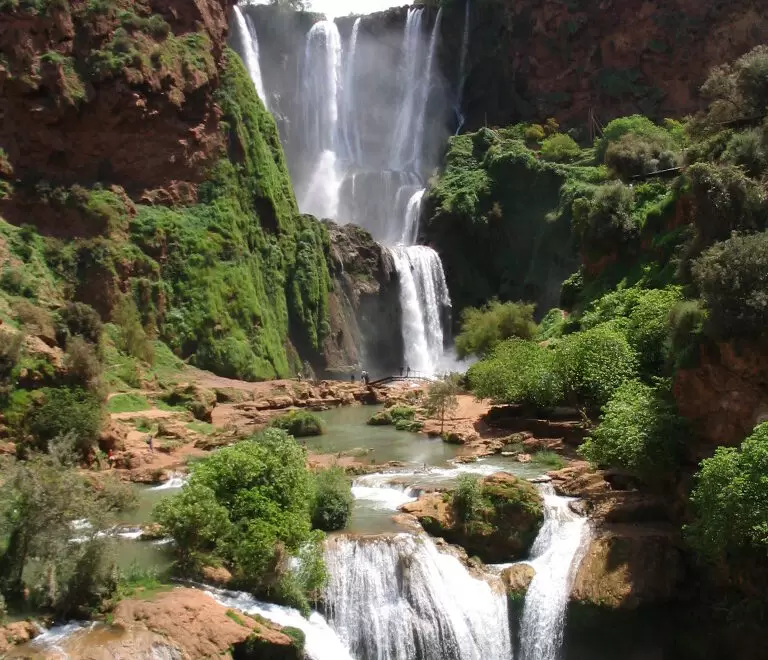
216	575
16	633
524	458
517	579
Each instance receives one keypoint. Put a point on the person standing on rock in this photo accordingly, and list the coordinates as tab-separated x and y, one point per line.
407	371
151	443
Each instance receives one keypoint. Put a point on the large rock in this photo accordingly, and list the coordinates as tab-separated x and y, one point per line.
628	566
503	531
517	579
19	632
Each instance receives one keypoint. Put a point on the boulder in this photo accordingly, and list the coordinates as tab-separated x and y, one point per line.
517	579
216	575
502	531
113	437
15	633
200	401
629	566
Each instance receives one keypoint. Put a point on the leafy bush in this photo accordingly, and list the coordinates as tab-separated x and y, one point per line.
635	155
332	500
299	423
560	148
518	372
133	338
730	500
733	279
571	290
639	431
636	125
78	319
549	459
648	327
748	150
62	411
686	326
739	89
726	200
468	498
594	363
552	325
482	329
605	222
84	368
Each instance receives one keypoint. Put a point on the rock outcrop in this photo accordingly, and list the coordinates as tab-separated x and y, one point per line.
501	530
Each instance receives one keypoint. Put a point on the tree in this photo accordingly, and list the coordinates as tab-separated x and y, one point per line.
442	397
482	329
133	338
560	148
730	500
332	500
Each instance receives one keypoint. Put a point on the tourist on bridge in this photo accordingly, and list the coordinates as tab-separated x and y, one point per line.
407	371
401	371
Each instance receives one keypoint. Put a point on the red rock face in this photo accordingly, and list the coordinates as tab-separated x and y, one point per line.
153	128
726	396
613	57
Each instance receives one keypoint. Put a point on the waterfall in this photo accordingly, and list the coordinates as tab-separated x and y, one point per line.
423	297
399	598
412	214
462	68
249	46
555	556
426	86
322	643
379	490
350	127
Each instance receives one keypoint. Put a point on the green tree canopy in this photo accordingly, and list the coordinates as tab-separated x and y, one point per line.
482	329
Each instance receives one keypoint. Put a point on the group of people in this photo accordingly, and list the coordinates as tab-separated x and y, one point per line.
407	371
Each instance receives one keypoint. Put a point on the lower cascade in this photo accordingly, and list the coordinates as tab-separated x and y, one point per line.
555	556
400	598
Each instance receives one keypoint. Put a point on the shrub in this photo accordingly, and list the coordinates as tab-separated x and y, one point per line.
725	200
605	222
730	500
549	459
34	319
635	155
534	133
648	327
64	411
133	339
571	290
482	329
83	365
518	372
442	398
332	500
636	125
468	498
748	150
78	319
594	363
552	325
733	279
739	89
560	148
686	326
639	431
299	423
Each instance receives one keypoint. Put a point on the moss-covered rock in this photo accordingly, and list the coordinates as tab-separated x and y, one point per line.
502	527
299	423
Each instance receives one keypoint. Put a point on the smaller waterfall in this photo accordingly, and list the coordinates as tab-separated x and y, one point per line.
382	492
399	598
321	642
249	45
349	126
423	298
412	215
462	69
176	480
556	555
426	86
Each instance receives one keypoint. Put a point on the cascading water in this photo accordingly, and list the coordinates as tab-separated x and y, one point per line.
350	125
400	598
555	556
249	46
462	69
423	297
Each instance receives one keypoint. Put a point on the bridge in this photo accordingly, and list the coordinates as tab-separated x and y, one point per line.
393	379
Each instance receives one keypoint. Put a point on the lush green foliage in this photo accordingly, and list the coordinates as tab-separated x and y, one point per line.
560	148
127	403
482	329
133	339
604	223
249	506
332	500
637	126
594	363
733	279
299	423
634	155
730	500
738	90
518	372
638	431
401	417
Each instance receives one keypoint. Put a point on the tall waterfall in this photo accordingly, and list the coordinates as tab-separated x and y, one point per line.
462	68
399	598
556	555
350	125
249	45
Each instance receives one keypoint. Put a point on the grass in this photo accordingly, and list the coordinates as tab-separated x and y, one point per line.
549	459
123	403
204	428
141	583
162	405
236	618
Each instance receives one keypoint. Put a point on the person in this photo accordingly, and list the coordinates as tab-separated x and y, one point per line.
364	377
407	371
401	371
111	459
352	377
150	443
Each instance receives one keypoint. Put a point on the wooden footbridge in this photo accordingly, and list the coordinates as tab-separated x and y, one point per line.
414	375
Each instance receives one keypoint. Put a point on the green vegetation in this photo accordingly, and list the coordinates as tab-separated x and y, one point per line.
442	398
403	418
731	502
299	423
483	329
249	506
560	148
548	459
332	500
121	403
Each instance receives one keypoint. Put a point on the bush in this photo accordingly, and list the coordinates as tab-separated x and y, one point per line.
748	150
482	329
639	431
605	222
332	500
648	328
686	326
733	279
725	200
594	363
299	423
64	411
571	290
730	500
84	368
133	339
560	148
634	155
552	325
636	125
739	89
35	320
518	372
78	319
